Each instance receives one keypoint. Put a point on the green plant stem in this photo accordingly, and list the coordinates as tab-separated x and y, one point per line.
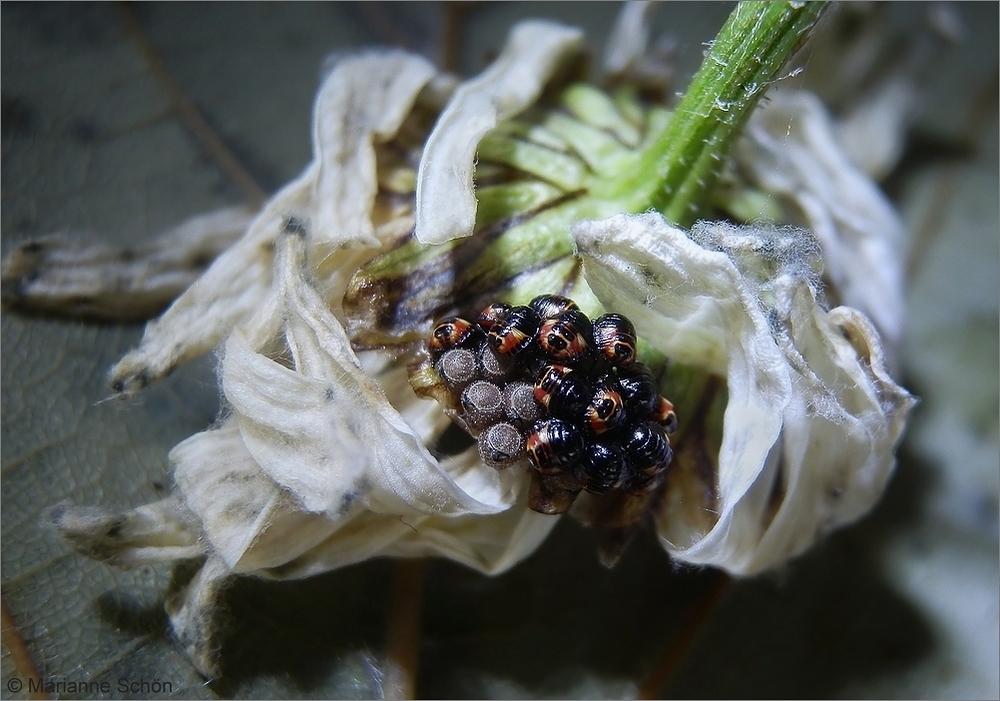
677	172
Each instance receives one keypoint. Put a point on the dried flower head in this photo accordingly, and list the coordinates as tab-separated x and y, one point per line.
325	455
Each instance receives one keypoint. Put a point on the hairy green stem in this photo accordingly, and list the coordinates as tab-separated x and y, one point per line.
676	174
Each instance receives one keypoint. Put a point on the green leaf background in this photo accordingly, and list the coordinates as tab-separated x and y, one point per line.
903	604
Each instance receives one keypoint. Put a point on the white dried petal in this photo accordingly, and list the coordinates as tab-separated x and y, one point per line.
363	102
363	99
163	531
446	202
69	274
790	149
192	610
233	498
629	37
324	429
810	404
229	291
873	133
488	543
423	415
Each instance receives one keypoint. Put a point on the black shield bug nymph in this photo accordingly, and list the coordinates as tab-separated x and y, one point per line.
602	468
639	390
554	446
647	447
451	333
514	332
663	414
606	411
615	339
565	337
493	315
551	306
562	392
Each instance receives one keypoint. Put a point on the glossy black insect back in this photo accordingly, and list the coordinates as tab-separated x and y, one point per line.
562	392
566	337
544	385
493	315
615	339
514	332
554	446
603	468
638	387
606	411
647	447
664	414
551	306
453	332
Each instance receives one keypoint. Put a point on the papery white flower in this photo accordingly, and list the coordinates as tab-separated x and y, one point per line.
812	416
312	467
790	149
322	458
534	51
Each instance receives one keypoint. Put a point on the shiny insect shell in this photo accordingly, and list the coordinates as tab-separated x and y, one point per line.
647	448
554	446
615	339
493	315
565	337
663	414
453	332
514	332
544	382
606	411
638	389
563	392
603	468
551	306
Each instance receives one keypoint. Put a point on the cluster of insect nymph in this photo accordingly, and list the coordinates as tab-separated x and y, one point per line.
544	383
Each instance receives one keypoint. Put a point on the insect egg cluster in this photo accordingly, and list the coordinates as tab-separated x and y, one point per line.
545	383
